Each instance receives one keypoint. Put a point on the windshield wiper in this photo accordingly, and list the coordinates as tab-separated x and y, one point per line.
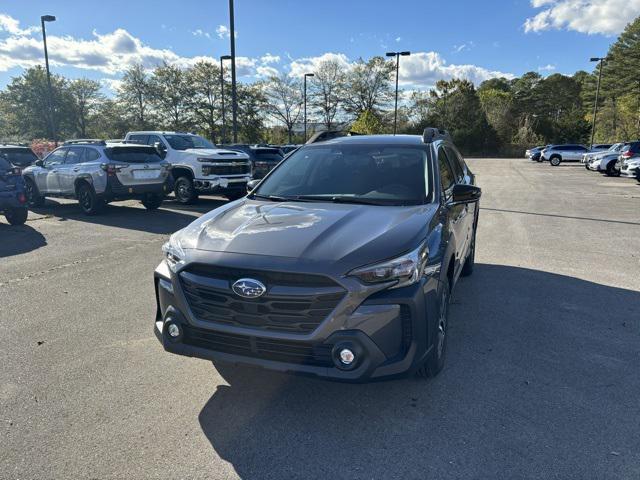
342	199
273	198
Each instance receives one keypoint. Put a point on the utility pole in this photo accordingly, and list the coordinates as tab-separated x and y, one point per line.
49	18
595	106
224	120
305	104
234	93
395	112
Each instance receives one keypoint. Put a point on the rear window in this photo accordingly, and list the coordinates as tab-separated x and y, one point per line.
268	154
133	154
18	156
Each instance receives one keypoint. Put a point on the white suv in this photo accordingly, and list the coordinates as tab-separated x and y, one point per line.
556	154
198	166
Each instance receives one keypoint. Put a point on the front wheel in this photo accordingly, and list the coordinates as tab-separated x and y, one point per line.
435	363
185	191
89	201
34	199
612	171
152	201
17	215
555	161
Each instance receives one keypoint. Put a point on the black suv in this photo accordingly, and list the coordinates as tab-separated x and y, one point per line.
263	159
18	155
340	263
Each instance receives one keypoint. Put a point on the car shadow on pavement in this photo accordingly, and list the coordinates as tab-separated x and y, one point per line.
541	381
162	221
18	239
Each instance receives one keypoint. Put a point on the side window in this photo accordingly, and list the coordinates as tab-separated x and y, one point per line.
55	158
447	178
455	163
141	139
74	155
153	139
91	154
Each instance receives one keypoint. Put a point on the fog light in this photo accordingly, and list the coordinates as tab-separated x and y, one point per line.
346	356
173	330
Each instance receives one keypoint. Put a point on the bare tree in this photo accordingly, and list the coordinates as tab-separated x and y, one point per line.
327	88
171	94
135	92
283	100
86	98
368	86
204	79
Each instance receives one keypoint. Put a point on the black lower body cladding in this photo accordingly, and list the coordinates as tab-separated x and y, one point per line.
388	334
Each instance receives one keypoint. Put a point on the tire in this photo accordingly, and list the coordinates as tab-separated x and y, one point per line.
184	191
435	362
555	160
89	201
539	160
16	215
152	201
470	262
34	199
611	169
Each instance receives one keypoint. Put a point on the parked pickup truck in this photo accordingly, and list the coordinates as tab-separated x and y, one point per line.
198	166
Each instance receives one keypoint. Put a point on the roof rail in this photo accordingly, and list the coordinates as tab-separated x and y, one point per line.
93	141
432	134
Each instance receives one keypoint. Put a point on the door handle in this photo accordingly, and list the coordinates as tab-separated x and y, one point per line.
76	169
54	171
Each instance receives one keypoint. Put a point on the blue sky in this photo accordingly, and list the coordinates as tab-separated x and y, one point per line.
477	40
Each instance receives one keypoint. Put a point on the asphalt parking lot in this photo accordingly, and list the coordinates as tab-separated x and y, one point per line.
541	378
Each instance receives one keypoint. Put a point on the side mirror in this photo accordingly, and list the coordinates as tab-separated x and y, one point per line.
160	147
466	193
39	163
251	184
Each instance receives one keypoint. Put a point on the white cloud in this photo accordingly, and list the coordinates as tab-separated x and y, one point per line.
222	31
301	66
12	26
398	39
464	46
424	69
607	17
547	68
201	33
267	58
266	71
111	84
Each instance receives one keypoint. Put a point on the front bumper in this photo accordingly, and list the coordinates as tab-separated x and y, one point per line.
391	332
630	171
221	184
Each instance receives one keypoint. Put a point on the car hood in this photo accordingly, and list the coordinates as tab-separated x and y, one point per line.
311	231
213	152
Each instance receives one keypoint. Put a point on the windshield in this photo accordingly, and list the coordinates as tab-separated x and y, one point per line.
19	156
182	142
385	175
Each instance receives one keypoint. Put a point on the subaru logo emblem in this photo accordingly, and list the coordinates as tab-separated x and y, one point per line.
248	288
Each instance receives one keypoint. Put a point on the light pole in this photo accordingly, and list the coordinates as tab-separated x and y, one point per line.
234	94
395	113
224	124
305	104
595	106
49	18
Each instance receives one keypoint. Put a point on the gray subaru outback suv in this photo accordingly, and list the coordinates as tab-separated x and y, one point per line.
340	263
97	173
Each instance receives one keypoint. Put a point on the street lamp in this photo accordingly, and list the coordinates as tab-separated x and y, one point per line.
595	106
48	18
234	95
224	124
305	104
395	113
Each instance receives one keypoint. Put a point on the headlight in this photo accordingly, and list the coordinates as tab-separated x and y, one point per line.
404	270
173	253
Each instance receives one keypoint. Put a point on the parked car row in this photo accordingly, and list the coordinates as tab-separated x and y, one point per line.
622	158
145	165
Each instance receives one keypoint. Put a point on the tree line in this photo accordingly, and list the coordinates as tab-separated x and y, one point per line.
500	116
